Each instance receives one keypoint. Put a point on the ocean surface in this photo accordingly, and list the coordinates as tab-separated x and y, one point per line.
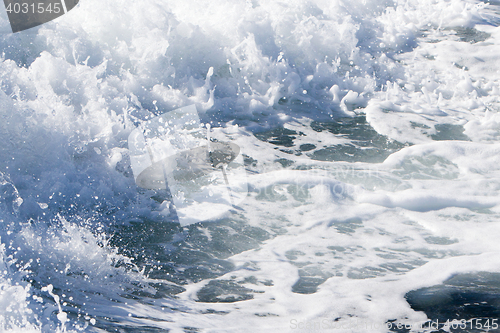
369	134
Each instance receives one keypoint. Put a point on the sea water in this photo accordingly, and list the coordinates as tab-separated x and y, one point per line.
369	136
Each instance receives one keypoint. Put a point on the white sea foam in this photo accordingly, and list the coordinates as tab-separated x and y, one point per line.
346	236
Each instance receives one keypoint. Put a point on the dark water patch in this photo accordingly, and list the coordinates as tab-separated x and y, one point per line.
366	145
472	297
310	278
349	153
465	68
179	255
290	151
267	314
449	132
471	35
307	147
440	240
307	284
365	272
162	290
212	311
356	128
133	329
399	267
293	254
137	234
249	161
348	226
427	167
140	325
279	136
464	34
224	291
284	162
418	125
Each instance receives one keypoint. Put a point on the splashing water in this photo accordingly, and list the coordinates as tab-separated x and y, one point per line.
367	130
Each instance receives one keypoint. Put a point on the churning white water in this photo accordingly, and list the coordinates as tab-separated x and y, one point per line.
368	134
